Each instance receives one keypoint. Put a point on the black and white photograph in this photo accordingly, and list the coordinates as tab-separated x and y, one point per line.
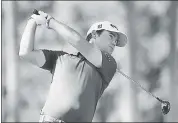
89	61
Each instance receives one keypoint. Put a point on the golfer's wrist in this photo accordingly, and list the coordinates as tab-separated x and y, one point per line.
32	22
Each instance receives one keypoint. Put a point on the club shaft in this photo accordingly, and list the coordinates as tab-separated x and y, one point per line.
139	85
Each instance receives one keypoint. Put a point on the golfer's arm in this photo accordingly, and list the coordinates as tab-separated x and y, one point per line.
27	51
91	53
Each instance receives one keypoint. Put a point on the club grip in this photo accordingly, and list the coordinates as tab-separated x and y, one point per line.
35	12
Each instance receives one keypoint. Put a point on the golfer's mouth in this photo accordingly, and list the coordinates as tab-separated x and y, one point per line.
111	47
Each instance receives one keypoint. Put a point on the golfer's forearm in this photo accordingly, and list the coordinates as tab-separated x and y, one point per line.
27	41
69	34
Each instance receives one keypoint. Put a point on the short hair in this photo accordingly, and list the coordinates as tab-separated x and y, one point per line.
98	32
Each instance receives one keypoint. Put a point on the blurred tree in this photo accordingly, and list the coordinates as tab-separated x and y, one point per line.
152	76
153	39
11	61
172	15
155	24
132	34
3	70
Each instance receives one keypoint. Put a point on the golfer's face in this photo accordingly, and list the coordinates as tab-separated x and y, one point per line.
107	41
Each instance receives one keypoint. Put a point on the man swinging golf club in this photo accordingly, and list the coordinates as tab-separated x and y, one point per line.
78	79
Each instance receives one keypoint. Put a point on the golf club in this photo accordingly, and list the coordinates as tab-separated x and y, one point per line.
165	105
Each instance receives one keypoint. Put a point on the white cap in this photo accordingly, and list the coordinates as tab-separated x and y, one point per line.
106	25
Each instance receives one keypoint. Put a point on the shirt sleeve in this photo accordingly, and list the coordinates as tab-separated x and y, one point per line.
107	69
50	59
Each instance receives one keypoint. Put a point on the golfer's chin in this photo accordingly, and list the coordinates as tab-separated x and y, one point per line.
110	50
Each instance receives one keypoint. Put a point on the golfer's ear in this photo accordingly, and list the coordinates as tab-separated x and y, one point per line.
94	34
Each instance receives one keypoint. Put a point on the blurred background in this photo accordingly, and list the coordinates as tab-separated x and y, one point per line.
150	57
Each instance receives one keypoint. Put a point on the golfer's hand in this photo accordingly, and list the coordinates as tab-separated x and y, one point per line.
40	19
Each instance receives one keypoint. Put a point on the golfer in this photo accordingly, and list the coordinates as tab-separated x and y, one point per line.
78	79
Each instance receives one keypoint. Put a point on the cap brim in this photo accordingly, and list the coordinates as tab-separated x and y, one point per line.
122	40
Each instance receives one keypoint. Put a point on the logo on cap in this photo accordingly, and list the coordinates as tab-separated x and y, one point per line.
99	26
114	26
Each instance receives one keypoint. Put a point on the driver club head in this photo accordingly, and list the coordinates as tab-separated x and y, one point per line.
165	106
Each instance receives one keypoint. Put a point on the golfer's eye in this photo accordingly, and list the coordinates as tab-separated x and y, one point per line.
111	36
115	41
